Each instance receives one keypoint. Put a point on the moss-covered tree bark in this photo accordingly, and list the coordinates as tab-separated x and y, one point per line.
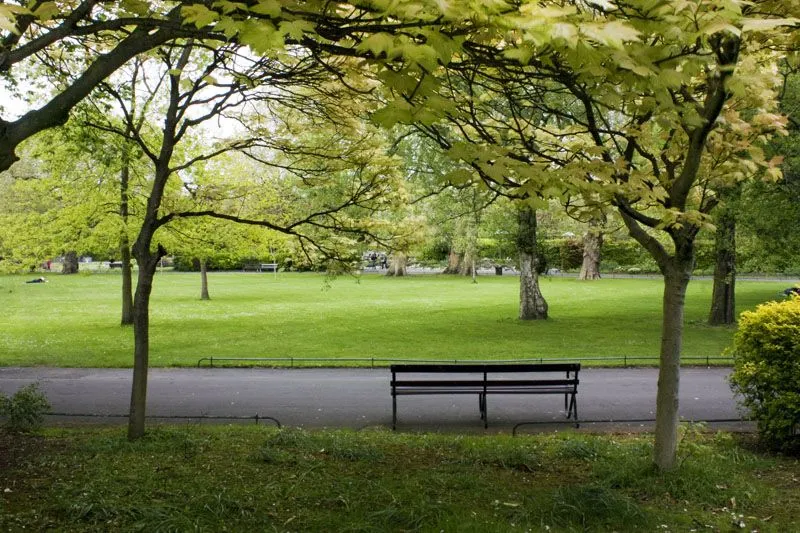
532	305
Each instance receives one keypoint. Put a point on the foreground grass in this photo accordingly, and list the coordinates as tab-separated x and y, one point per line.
74	320
262	479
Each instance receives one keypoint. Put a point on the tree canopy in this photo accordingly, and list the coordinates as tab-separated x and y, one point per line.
649	108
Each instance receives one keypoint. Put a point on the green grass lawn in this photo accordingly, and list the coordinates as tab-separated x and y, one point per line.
251	478
74	320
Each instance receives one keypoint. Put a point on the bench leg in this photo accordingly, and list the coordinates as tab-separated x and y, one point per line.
573	410
394	411
482	405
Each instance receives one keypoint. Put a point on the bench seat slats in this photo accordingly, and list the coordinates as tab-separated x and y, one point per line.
485	367
488	383
487	378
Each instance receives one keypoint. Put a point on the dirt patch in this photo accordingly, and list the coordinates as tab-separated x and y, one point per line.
21	455
16	447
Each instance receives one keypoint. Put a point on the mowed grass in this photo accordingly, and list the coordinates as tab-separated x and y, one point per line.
74	320
251	478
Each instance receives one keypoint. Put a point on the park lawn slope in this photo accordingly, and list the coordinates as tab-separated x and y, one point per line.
73	321
250	478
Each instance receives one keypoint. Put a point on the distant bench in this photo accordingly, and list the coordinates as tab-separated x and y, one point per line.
486	379
260	267
115	264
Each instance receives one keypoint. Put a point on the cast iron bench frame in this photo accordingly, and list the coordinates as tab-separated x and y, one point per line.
490	381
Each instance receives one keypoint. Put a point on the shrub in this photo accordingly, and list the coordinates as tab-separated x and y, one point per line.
766	374
24	410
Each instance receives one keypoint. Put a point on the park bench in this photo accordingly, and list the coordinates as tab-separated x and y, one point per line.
115	264
486	379
260	267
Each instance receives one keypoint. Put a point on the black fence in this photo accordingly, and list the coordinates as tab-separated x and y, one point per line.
291	362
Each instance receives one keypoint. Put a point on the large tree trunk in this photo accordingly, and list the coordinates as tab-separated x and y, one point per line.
453	262
204	280
467	266
532	305
397	264
70	265
592	246
723	296
125	245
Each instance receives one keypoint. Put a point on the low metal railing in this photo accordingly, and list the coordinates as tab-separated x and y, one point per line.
257	417
291	362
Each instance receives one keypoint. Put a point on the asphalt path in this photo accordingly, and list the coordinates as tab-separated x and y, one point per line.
608	399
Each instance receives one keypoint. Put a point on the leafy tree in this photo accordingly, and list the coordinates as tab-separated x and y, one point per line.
318	185
768	212
652	124
58	202
81	42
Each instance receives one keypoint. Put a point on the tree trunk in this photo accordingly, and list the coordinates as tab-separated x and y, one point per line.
397	264
467	266
70	265
532	305
592	246
148	262
676	267
676	279
453	263
204	280
125	245
723	296
471	249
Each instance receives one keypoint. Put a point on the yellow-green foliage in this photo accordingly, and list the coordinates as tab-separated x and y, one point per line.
767	371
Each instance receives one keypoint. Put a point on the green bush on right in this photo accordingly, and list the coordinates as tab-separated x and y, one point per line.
766	375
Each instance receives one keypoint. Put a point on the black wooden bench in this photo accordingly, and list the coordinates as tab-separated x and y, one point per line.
486	379
260	267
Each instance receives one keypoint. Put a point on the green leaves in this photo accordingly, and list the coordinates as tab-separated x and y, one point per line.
199	15
8	16
270	8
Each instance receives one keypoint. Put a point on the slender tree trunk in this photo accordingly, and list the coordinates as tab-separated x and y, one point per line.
124	244
676	267
532	305
70	265
204	280
148	262
723	303
676	279
592	246
397	264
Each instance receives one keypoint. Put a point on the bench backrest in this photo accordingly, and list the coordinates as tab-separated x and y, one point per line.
485	367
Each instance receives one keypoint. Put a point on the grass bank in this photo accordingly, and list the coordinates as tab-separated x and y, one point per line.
74	320
206	478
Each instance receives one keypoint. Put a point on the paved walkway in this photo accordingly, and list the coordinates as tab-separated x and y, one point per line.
608	399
